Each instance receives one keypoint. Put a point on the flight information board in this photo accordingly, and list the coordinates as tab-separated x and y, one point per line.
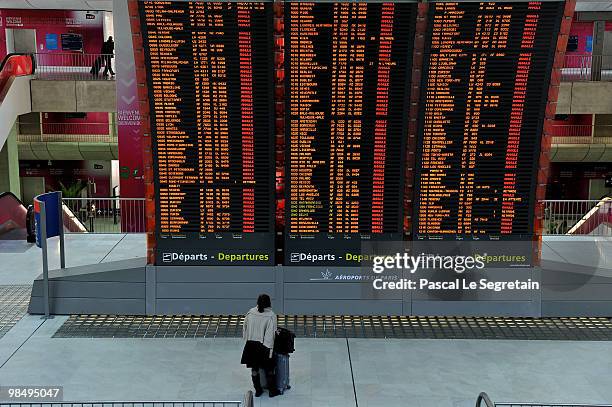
210	81
348	69
485	85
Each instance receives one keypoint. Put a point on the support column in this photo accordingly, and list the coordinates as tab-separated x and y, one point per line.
599	31
9	165
130	139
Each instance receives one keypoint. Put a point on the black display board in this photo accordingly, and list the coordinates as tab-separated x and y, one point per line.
348	69
72	42
483	97
210	81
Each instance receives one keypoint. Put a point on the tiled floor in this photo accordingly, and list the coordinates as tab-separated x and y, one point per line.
14	301
21	263
340	326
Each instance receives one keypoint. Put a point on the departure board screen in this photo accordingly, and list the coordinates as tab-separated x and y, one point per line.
486	76
210	81
348	69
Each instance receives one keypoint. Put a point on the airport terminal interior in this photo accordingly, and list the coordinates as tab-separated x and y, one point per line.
238	203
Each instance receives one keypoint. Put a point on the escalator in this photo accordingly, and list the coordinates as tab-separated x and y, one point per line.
597	221
72	223
13	216
15	96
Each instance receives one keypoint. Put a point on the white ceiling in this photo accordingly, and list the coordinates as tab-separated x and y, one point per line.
581	5
92	5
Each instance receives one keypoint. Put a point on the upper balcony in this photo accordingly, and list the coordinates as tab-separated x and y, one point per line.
582	143
586	86
73	82
587	68
67	82
67	141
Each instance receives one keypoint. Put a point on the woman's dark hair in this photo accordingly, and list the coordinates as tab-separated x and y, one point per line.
263	302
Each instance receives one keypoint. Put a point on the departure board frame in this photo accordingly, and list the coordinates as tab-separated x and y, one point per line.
343	246
252	245
533	169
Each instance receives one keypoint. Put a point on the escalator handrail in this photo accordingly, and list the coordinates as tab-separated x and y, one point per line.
8	57
484	397
72	215
8	193
576	226
8	72
64	207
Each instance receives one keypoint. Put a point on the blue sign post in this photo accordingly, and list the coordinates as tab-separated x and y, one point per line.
49	223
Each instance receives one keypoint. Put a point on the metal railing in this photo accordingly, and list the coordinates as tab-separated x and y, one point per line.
104	215
243	403
107	132
587	67
127	215
573	130
581	140
578	217
483	400
73	66
581	134
70	132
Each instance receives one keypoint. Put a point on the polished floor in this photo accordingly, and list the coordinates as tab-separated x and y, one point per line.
330	372
21	262
324	372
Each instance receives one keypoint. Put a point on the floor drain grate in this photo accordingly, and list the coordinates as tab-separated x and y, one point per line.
14	300
342	326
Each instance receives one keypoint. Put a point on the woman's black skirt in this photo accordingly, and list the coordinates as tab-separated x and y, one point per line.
256	356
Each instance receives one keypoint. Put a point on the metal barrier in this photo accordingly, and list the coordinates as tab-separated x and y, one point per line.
581	140
107	133
578	217
73	66
128	404
581	134
127	215
69	132
483	400
587	67
105	215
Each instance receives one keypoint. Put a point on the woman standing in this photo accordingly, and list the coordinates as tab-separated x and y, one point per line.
258	331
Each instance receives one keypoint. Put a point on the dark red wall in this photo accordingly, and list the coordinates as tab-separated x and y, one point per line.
55	22
575	125
58	123
571	180
68	172
581	29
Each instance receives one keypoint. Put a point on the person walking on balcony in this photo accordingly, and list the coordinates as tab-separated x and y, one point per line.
108	49
259	330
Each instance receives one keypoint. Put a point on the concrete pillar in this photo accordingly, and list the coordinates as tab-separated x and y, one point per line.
599	31
9	165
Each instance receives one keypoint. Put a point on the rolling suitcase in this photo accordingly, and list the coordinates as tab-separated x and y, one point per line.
282	372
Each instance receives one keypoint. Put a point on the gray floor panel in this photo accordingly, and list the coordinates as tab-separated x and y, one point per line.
14	301
211	326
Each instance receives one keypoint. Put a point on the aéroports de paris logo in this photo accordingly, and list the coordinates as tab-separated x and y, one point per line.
325	275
